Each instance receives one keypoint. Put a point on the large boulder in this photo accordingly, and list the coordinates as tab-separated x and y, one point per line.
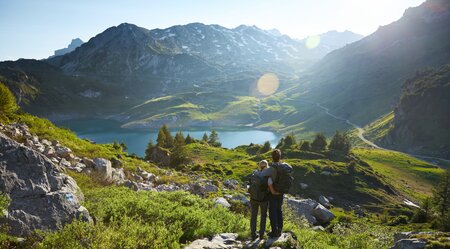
103	166
324	201
322	214
303	208
42	197
409	244
222	202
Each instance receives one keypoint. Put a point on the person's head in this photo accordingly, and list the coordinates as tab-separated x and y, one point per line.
276	155
263	164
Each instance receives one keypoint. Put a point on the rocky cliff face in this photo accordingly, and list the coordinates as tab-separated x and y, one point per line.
422	117
42	197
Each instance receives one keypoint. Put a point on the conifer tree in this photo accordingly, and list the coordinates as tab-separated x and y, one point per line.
169	138
289	141
161	141
214	139
305	145
149	150
319	143
189	139
205	137
179	153
266	147
7	101
340	142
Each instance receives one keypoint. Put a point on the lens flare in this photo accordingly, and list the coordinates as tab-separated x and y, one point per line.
312	42
268	84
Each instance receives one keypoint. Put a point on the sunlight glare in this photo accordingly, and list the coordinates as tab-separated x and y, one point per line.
312	42
268	84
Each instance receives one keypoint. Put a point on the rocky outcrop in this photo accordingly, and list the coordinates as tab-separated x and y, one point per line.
42	197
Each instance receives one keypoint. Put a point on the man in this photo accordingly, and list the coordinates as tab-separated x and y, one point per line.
279	181
258	199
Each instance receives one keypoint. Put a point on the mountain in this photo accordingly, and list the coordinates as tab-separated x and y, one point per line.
362	81
332	40
126	66
75	43
419	123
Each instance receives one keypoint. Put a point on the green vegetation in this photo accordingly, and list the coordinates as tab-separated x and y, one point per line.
319	143
7	101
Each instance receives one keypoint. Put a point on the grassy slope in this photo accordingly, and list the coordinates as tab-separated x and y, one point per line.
412	177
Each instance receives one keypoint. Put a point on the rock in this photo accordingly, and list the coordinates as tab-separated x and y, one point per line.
160	156
39	147
78	167
118	175
55	143
209	188
280	241
42	197
166	187
241	198
199	189
303	186
409	244
322	214
358	211
146	175
131	185
325	173
88	162
46	143
64	163
318	228
104	166
324	201
231	184
49	151
223	240
63	152
137	177
303	208
222	202
145	186
116	163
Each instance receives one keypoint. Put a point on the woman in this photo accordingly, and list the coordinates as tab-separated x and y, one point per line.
258	199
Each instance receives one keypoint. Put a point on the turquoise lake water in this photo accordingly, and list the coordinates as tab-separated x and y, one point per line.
108	131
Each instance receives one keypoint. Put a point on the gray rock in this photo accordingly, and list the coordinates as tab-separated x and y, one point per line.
318	228
222	202
409	244
88	162
103	166
146	175
166	187
42	197
325	173
231	184
46	143
118	175
49	151
137	177
324	201
219	241
303	186
241	198
64	163
64	152
322	214
131	185
283	239
303	208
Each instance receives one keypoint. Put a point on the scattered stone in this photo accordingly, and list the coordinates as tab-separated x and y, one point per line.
46	142
33	182
166	187
118	175
131	185
409	244
49	151
222	202
318	228
231	184
223	240
63	152
324	201
64	163
303	186
137	177
242	199
325	173
88	162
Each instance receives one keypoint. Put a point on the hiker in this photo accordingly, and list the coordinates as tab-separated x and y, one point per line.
258	199
279	182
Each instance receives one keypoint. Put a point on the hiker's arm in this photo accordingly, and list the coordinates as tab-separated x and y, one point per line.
271	188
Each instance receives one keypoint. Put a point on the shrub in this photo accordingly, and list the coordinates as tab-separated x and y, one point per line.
340	142
319	143
7	101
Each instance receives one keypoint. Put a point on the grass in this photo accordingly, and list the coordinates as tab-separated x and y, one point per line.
412	177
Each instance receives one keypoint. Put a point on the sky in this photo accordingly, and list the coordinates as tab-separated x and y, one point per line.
35	28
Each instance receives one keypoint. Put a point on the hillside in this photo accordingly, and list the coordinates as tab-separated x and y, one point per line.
362	81
419	123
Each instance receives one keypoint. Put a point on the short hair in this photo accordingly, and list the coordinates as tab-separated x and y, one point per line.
263	162
276	155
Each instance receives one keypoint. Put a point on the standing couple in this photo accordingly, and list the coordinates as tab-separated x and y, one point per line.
268	185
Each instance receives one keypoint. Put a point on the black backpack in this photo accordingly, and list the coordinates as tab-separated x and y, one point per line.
258	187
284	177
